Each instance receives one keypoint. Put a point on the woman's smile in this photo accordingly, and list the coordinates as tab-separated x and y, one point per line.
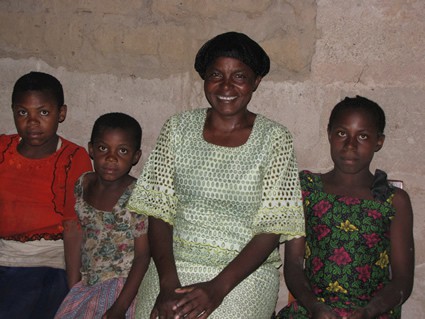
226	98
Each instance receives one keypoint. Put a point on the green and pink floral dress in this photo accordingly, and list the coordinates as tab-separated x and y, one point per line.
347	246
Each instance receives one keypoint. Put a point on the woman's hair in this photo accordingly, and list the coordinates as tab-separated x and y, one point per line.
362	103
233	45
38	81
116	120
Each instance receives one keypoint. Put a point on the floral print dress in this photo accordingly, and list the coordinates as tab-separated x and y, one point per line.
107	255
347	246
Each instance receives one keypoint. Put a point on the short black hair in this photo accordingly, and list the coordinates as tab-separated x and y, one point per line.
117	120
39	81
233	45
360	102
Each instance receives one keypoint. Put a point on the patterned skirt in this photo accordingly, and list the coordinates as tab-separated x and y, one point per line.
91	302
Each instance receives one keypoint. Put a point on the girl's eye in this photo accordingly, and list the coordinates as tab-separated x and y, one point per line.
362	137
341	134
44	112
101	148
21	112
123	151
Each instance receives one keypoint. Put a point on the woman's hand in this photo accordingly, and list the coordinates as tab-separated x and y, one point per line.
163	308
199	300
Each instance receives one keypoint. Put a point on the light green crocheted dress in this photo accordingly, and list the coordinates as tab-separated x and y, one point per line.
217	198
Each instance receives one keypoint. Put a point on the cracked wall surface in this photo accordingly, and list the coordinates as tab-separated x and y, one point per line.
137	57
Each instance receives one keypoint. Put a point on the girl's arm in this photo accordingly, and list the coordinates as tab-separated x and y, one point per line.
205	297
297	282
135	276
402	261
161	243
72	234
72	240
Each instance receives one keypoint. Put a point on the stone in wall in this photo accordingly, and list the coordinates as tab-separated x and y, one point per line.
154	39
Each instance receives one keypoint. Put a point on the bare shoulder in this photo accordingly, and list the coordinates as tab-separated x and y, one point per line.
401	197
402	203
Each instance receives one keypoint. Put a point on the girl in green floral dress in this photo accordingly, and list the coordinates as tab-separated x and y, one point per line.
358	254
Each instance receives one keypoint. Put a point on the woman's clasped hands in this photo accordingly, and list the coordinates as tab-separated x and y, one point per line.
196	301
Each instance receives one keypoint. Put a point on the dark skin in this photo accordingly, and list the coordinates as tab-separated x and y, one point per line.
228	87
113	153
37	116
354	139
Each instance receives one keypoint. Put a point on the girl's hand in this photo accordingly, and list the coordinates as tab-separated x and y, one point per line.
163	308
360	313
114	313
199	301
323	311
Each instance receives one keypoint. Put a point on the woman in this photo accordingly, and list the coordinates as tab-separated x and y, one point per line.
221	188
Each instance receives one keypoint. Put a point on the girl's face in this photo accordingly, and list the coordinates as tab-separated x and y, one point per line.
229	84
113	153
37	117
354	139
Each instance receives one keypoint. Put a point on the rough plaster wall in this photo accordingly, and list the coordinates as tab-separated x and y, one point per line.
138	58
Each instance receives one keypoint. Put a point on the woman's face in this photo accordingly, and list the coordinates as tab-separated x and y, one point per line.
228	85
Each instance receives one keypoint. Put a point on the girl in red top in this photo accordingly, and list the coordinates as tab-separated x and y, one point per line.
39	230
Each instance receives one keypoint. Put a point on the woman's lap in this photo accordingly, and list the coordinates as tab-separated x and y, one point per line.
254	298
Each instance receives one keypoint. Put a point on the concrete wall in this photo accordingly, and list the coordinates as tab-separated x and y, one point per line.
137	57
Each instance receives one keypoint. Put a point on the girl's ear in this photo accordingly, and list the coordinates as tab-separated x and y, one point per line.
90	148
329	135
136	157
380	142
62	113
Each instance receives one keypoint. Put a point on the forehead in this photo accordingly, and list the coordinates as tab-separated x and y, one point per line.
359	116
115	135
224	62
35	97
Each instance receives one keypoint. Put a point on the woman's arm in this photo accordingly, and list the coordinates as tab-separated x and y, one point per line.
161	243
207	296
402	261
135	276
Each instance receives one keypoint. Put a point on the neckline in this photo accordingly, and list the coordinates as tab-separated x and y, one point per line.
338	196
247	142
129	188
22	157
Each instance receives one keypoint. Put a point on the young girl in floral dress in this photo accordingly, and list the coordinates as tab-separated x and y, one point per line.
115	250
